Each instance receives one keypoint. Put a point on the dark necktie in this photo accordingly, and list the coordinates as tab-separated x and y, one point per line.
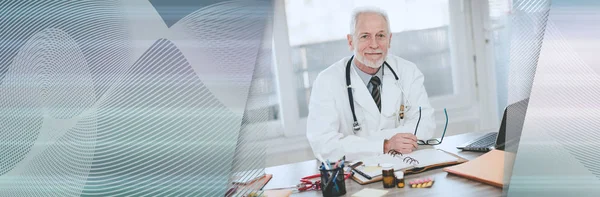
375	82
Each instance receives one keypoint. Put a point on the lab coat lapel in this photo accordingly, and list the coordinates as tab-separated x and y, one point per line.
363	97
390	95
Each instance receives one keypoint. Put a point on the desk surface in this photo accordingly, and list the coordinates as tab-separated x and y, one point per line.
445	184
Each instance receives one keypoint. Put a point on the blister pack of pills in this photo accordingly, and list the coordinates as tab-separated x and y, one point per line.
421	183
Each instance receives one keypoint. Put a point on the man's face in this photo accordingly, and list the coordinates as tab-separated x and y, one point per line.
371	40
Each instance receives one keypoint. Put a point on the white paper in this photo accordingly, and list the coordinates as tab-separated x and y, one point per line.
368	192
427	157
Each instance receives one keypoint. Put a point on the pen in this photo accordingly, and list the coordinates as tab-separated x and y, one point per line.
336	164
358	171
401	111
340	162
335	181
328	183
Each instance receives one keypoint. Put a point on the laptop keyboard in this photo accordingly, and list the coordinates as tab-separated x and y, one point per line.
485	141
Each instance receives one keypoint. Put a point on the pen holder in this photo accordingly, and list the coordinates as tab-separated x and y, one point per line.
332	182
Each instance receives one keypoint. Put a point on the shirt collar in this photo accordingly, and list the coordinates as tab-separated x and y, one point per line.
367	77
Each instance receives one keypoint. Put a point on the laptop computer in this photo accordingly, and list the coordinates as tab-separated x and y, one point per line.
508	135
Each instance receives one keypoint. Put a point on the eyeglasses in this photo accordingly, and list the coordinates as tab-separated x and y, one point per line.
431	141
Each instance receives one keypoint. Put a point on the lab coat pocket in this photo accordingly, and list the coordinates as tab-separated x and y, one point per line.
389	120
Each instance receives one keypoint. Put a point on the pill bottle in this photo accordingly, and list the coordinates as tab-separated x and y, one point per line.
399	179
389	181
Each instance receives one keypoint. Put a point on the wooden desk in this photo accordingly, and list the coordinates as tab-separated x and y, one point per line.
445	184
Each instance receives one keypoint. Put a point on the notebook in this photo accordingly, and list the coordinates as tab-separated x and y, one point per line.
426	159
487	168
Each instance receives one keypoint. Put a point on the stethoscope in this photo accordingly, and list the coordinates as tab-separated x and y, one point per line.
356	125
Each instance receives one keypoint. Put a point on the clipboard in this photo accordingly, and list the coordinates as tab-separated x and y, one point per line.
257	184
412	170
253	186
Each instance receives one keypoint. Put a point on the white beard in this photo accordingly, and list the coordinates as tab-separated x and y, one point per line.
369	63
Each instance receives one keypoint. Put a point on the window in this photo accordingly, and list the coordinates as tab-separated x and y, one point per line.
499	20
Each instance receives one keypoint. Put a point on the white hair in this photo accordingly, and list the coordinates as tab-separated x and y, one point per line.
361	10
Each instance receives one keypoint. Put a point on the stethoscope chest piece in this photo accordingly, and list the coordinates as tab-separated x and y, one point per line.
356	126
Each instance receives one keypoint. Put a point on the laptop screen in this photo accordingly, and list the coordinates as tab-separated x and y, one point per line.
512	126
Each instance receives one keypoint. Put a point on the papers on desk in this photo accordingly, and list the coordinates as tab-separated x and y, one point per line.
368	192
427	158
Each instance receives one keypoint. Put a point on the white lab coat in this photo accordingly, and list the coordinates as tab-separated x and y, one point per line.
330	123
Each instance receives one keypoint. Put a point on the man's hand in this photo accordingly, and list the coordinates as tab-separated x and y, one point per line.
401	142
